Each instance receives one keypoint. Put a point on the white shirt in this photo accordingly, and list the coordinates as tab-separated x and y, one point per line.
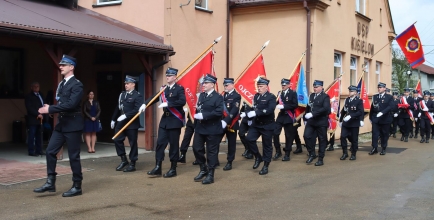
67	78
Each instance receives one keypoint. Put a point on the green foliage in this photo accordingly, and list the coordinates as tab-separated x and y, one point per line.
400	66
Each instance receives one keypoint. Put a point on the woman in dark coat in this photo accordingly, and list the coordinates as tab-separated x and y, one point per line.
91	112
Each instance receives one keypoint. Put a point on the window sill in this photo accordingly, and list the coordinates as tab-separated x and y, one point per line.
104	5
203	9
362	16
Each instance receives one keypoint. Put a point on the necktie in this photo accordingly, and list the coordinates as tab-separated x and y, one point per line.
315	96
40	98
62	84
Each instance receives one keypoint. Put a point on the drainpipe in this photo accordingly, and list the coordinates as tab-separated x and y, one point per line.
227	39
308	27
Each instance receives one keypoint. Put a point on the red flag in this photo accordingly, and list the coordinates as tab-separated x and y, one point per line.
419	89
363	94
411	45
334	92
246	83
294	78
192	80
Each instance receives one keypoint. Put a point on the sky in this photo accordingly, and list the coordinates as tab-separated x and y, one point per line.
406	12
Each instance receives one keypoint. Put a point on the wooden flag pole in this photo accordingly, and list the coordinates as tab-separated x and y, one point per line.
159	93
250	63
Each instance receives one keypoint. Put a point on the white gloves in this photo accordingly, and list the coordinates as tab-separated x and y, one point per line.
162	105
308	115
340	124
142	108
415	119
395	115
198	116
332	110
112	124
224	124
362	123
243	114
418	115
122	117
425	109
379	114
279	106
185	109
347	118
249	122
251	114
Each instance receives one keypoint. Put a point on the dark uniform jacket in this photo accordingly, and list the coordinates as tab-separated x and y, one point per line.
33	103
353	109
290	102
403	112
245	108
430	106
416	106
264	106
395	104
384	105
320	109
232	103
128	104
175	97
68	106
211	107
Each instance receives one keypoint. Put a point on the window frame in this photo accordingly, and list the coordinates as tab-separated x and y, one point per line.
200	7
358	3
367	78
353	67
339	65
111	2
431	84
378	71
17	89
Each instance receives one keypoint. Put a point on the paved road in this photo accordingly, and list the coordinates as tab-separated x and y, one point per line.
399	185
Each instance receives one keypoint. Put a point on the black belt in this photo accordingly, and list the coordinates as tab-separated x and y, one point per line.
69	113
166	114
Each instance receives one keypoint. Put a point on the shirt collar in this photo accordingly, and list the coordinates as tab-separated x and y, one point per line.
230	92
170	86
208	93
67	78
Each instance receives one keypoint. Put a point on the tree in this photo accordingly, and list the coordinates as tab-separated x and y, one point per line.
400	66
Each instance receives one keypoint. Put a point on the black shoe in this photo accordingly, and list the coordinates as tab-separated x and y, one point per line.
49	186
394	135
181	158
209	178
415	136
228	166
264	169
353	157
123	163
172	171
245	153
42	153
249	155
311	158
383	152
331	148
319	162
411	135
258	162
195	162
277	155
422	140
298	150
157	169
373	151
202	173
344	156
406	139
74	191
286	157
402	138
33	155
131	167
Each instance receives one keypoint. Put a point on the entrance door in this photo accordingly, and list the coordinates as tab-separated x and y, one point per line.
109	86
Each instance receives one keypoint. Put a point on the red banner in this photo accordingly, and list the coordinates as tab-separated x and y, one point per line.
246	84
411	46
335	97
192	80
294	78
364	95
419	88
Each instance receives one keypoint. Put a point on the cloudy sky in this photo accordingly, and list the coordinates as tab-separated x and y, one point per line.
406	12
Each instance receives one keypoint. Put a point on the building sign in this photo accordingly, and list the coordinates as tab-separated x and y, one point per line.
360	43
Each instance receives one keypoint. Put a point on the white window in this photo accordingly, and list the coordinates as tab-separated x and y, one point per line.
201	4
366	74
353	70
360	6
108	2
377	72
337	65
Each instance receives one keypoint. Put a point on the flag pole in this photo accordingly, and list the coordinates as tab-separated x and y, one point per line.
178	76
302	56
250	63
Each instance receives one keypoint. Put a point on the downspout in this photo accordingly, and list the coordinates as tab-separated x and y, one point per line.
227	39
308	29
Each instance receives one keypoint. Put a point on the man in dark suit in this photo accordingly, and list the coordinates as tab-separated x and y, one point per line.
380	115
426	114
287	102
172	101
416	111
406	106
68	128
349	121
317	115
34	119
208	129
230	119
129	104
262	124
244	128
395	113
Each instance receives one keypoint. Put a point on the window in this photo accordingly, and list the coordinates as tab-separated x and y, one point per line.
360	6
366	74
353	70
431	84
202	4
337	65
377	71
11	73
108	2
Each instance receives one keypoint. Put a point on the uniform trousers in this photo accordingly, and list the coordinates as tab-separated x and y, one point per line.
352	134
212	145
425	127
297	137
168	136
405	124
188	134
380	131
267	139
72	140
310	135
417	126
244	128
232	143
289	136
394	125
132	139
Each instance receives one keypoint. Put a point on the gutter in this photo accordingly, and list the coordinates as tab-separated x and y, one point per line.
308	43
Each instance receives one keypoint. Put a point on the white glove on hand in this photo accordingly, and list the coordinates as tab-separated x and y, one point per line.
251	114
142	108
395	115
308	115
425	109
279	106
162	105
122	117
249	122
347	118
198	116
415	119
243	114
418	115
185	109
379	114
340	124
112	124
362	123
332	110
224	124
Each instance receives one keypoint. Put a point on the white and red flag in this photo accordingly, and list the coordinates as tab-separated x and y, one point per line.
246	83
